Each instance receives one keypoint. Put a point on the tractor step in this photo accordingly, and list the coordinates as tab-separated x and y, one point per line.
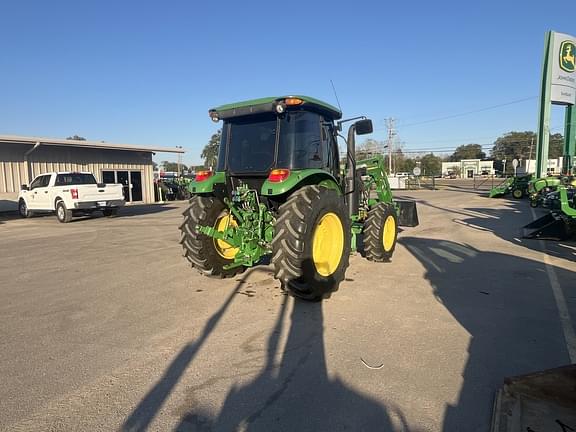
407	213
549	227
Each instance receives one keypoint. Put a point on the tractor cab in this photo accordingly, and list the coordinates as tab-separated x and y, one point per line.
273	137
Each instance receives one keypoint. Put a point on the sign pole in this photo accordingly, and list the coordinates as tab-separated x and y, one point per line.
544	112
569	141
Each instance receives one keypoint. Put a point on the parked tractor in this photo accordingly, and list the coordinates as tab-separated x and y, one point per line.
517	186
560	223
278	190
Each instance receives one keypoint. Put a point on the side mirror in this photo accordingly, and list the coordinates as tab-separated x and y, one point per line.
25	187
363	127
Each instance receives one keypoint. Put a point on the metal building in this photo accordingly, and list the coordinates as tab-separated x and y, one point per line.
23	158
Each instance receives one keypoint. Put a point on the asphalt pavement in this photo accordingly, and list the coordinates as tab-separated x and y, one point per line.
103	326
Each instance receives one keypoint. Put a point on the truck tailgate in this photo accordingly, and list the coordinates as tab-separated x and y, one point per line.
105	192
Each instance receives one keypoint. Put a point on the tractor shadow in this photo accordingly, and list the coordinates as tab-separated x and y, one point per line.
147	409
291	392
507	306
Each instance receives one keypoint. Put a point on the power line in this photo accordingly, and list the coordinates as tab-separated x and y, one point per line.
462	114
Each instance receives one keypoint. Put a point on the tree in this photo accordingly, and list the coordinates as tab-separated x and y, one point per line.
522	145
210	151
515	145
368	148
154	166
76	137
173	166
431	165
467	151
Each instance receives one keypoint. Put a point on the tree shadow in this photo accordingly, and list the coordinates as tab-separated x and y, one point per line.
507	306
293	391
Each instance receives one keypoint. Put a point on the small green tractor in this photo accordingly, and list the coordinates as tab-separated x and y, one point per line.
517	186
278	190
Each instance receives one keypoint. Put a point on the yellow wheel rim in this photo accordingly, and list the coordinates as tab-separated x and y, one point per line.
389	233
328	244
224	249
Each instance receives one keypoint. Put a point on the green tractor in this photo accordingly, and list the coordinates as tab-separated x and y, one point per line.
538	188
517	186
278	191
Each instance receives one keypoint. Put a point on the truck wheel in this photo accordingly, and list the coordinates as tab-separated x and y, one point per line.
205	253
380	233
23	209
62	213
311	245
110	212
517	193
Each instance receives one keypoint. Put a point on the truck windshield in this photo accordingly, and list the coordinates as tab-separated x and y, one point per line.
74	179
251	143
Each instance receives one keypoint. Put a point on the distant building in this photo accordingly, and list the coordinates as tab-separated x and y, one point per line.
528	166
468	168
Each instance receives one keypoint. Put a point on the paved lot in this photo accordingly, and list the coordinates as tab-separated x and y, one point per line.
104	327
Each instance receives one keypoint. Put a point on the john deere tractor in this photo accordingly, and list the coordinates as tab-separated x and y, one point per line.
278	190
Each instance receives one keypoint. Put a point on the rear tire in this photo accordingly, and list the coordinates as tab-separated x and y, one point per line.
380	233
201	250
23	209
110	212
311	246
62	213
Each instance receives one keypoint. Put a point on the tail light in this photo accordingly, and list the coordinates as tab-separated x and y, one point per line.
74	193
203	175
278	175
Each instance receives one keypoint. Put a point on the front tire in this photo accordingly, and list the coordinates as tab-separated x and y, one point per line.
311	246
62	213
517	193
380	233
205	253
23	209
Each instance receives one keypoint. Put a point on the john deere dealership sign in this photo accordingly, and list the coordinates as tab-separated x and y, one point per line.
562	58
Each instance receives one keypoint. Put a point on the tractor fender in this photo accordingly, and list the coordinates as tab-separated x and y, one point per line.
207	186
298	179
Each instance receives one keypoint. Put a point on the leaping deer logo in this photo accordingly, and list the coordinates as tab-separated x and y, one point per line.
567	60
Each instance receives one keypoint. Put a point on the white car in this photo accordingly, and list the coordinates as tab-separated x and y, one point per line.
69	194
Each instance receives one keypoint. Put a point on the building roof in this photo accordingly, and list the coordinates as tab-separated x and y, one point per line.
14	139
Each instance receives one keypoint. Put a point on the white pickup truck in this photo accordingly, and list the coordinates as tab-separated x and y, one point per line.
69	194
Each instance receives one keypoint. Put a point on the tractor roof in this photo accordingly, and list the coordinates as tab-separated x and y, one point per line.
268	104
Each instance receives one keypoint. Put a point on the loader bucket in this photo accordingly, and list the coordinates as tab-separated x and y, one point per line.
407	213
549	227
497	192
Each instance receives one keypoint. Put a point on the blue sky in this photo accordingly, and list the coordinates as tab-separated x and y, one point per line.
147	72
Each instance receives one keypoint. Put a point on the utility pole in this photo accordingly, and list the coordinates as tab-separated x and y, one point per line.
179	160
530	156
391	133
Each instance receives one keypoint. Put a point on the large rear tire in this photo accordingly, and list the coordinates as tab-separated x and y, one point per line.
206	254
311	245
380	233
